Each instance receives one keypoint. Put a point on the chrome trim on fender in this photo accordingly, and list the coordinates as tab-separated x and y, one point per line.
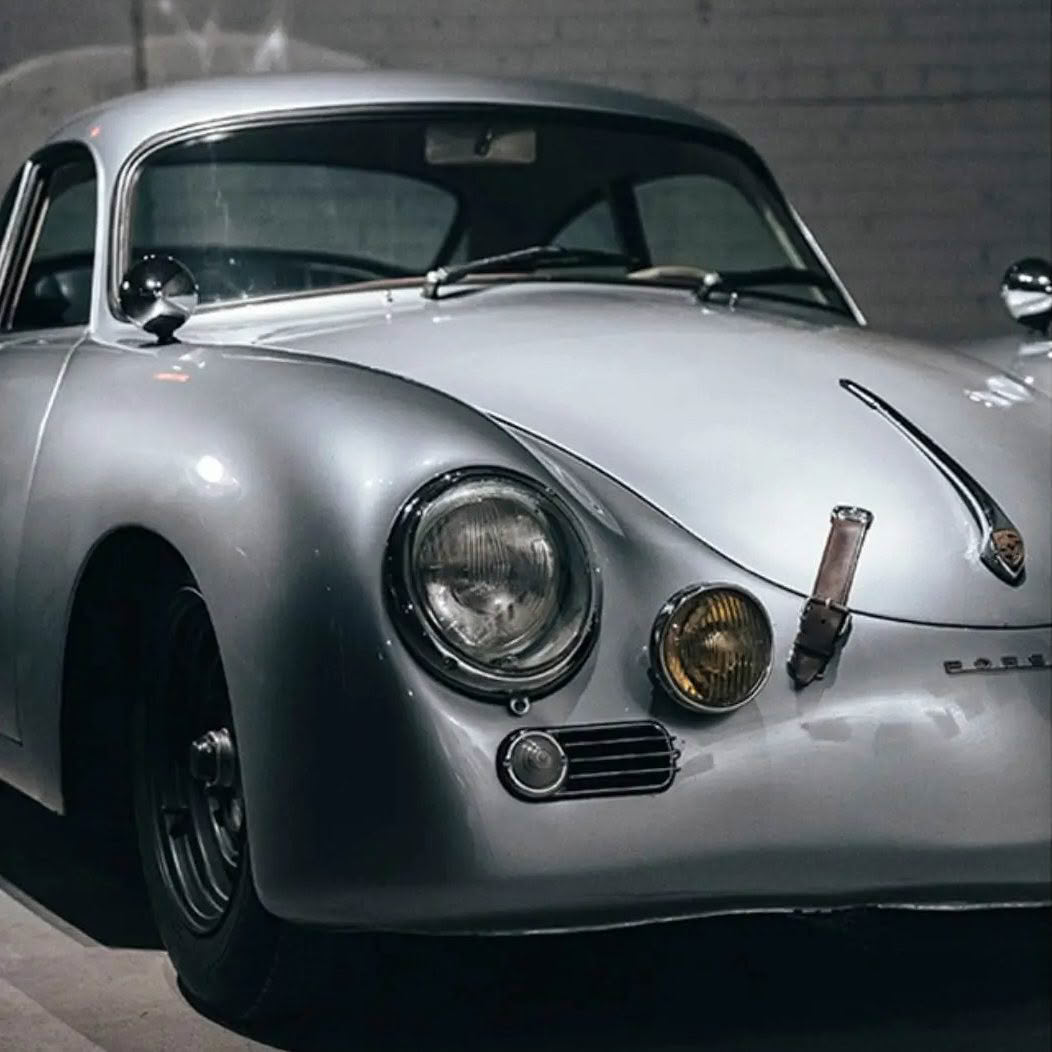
1001	547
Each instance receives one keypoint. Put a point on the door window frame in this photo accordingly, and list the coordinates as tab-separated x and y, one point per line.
19	241
27	184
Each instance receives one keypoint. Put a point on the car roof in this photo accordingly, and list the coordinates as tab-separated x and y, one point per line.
120	125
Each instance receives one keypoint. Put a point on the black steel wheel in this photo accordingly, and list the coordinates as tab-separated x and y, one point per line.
198	807
233	958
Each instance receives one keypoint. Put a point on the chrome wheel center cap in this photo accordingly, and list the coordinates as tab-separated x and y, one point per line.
213	759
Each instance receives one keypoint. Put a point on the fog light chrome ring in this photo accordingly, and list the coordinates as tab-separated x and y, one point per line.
670	620
523	750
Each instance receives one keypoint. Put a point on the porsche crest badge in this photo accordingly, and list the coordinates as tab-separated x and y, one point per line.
1008	545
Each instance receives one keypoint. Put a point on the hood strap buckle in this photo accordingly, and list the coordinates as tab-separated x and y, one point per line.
825	620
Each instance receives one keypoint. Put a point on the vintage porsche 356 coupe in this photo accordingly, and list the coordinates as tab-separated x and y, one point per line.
436	504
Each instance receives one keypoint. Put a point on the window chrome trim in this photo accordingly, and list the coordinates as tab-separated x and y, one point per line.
28	186
816	248
37	211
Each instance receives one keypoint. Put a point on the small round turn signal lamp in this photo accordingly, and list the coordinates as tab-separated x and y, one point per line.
533	764
711	647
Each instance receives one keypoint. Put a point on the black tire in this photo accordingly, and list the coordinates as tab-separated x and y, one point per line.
233	959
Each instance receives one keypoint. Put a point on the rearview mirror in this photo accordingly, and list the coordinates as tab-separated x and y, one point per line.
479	144
1026	290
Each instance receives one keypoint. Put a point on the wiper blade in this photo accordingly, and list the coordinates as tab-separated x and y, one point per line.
753	282
742	280
525	259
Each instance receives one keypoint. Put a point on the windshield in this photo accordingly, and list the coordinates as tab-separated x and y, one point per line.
296	207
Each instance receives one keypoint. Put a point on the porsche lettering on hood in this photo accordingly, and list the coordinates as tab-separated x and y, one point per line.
738	428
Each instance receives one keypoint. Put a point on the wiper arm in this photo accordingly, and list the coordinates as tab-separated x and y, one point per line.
524	259
736	282
742	280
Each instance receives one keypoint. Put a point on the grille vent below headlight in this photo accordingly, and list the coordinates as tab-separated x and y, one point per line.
612	759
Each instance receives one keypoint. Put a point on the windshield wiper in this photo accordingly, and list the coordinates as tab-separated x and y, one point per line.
524	259
735	282
743	280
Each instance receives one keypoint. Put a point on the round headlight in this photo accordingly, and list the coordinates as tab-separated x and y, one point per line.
711	647
493	582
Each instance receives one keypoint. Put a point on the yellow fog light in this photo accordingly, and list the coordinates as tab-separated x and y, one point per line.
711	647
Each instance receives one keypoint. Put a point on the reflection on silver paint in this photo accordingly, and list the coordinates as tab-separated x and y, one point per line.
1001	392
275	447
944	722
1028	361
836	729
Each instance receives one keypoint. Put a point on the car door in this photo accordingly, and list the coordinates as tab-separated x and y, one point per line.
46	261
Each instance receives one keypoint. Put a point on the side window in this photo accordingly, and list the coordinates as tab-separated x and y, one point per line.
704	221
7	204
593	228
56	288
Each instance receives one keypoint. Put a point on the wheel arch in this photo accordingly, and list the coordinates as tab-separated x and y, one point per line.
101	667
279	502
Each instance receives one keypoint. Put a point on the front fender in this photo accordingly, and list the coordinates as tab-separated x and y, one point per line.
277	478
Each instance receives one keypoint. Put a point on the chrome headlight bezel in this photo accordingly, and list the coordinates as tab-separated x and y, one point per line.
418	631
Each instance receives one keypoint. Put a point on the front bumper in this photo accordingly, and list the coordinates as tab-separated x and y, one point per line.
374	801
888	781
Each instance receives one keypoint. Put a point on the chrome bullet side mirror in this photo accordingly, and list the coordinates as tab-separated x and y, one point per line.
1026	290
158	294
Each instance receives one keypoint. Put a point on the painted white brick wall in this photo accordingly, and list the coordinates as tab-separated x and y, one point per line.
913	135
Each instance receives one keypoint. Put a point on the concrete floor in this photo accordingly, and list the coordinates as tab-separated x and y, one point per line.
80	969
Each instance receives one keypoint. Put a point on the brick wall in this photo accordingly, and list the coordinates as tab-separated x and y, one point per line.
913	135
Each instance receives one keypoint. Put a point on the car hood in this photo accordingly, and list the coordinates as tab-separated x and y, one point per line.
734	423
1027	360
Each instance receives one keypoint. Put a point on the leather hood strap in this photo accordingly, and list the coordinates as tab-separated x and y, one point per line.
825	619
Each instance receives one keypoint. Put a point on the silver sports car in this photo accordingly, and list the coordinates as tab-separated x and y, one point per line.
435	504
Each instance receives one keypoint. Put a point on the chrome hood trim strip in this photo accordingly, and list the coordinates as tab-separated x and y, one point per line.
1001	544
